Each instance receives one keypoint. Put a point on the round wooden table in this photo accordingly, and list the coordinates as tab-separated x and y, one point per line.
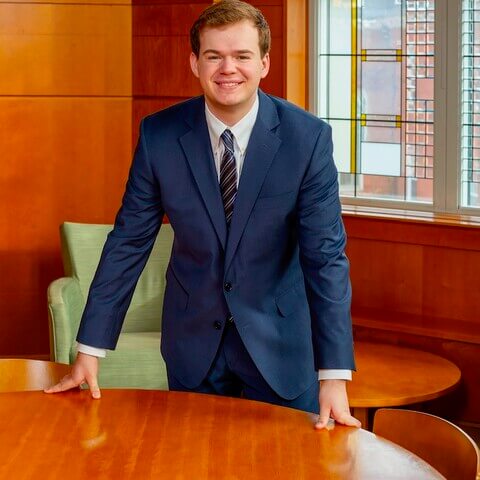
143	434
388	376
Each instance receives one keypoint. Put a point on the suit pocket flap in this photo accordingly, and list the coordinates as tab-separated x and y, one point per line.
275	201
289	301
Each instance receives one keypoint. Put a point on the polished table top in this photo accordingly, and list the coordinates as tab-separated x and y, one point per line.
388	375
146	434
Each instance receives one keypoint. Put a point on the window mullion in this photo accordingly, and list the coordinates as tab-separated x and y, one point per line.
453	106
440	102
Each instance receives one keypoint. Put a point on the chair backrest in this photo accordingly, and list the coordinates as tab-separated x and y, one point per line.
437	441
82	246
20	375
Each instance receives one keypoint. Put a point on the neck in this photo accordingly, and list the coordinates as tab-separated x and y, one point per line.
230	115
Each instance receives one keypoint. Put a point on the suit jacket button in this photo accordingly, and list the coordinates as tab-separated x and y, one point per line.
228	287
217	325
230	319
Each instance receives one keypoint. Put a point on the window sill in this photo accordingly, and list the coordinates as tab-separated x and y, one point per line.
411	216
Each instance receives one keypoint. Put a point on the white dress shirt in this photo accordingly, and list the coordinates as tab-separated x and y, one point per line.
241	135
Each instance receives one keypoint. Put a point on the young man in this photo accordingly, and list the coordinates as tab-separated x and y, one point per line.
257	301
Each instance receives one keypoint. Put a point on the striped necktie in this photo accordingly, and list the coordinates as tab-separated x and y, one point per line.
228	175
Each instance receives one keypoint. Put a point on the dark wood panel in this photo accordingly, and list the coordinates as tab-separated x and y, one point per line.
386	276
145	106
161	75
426	270
451	284
258	4
26	274
413	232
261	3
162	20
167	2
161	67
65	49
274	82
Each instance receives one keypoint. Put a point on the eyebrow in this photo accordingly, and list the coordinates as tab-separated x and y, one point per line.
219	53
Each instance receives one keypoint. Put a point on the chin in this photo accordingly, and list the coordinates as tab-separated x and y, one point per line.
229	102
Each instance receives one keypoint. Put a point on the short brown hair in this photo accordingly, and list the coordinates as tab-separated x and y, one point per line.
226	12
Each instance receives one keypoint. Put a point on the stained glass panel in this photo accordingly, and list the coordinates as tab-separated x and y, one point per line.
376	70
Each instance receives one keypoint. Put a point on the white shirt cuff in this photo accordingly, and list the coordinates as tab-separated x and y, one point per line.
334	374
96	352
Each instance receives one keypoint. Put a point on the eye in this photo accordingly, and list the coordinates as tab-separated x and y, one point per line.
213	57
244	57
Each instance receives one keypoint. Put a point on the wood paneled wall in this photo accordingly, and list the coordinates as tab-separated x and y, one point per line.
77	76
65	143
417	284
76	79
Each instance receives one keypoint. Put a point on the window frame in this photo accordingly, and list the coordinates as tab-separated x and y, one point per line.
447	118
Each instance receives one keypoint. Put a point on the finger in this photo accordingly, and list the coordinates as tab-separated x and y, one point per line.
346	419
94	388
66	383
323	419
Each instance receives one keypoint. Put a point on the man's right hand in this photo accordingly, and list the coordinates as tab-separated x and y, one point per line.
84	370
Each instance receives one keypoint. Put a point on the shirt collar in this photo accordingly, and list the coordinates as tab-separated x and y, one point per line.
241	130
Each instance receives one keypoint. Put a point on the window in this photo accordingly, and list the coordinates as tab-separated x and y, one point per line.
380	78
470	156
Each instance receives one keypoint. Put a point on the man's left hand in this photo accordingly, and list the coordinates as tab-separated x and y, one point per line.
334	404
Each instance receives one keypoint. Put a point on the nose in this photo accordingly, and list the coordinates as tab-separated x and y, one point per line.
228	65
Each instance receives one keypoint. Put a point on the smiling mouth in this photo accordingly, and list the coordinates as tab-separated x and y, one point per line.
228	84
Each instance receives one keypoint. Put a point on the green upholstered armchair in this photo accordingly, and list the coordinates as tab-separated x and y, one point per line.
136	362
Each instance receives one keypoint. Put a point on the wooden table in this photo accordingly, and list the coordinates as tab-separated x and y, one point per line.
388	376
142	434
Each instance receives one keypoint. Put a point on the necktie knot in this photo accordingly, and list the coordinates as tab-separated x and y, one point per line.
227	138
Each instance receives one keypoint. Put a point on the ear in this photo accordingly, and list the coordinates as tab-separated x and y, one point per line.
194	64
265	65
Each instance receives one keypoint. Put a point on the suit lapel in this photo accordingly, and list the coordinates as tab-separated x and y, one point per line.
262	148
197	148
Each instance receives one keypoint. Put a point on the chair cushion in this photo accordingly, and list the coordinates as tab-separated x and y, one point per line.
82	245
135	363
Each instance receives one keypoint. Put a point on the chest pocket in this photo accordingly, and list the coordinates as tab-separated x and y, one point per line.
275	201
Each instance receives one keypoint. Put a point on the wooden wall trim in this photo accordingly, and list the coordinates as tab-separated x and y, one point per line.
296	55
413	232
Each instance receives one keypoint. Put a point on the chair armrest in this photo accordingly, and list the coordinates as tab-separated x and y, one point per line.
65	307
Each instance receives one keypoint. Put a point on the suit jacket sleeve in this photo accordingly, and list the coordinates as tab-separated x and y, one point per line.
322	241
124	255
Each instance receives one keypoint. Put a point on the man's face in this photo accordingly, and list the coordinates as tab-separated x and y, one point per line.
230	67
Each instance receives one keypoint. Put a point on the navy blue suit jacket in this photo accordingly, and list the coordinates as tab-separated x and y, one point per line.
280	270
